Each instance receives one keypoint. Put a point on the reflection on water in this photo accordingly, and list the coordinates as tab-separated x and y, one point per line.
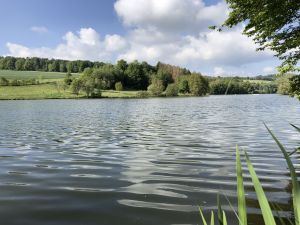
142	161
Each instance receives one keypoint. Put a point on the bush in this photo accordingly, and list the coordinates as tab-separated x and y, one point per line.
119	86
68	79
15	82
142	94
76	85
156	88
183	86
198	85
4	81
172	90
295	86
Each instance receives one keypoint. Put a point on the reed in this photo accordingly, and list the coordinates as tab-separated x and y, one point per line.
264	203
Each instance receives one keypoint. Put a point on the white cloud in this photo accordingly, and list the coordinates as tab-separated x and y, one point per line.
170	15
39	29
218	71
172	31
268	69
114	43
87	44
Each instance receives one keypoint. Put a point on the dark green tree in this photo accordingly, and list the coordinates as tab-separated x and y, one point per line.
273	24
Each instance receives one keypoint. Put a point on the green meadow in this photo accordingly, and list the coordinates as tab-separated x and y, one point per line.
26	75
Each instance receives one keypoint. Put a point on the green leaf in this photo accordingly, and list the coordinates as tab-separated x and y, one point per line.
212	218
297	128
224	218
262	199
202	217
242	211
295	183
220	214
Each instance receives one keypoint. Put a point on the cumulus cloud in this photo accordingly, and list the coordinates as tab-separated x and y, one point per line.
39	29
218	71
86	44
170	15
268	69
172	31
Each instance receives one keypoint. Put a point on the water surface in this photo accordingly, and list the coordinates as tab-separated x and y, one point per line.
138	161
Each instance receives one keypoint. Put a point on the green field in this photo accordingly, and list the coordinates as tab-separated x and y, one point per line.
52	91
26	75
259	81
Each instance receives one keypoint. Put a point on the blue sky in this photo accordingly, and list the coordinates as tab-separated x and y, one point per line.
172	31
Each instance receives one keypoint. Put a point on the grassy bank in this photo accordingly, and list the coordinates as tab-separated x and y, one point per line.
52	91
38	75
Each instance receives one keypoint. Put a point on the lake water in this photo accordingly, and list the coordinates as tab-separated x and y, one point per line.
138	161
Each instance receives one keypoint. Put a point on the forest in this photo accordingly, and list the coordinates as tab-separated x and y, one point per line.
91	78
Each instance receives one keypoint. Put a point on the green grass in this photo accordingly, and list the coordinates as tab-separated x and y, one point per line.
52	91
259	81
119	94
42	91
26	75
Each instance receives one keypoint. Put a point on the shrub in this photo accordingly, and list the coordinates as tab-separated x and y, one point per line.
119	86
68	79
4	81
15	82
183	86
172	90
142	94
76	86
198	85
156	88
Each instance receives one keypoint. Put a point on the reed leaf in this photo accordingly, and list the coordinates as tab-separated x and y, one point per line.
212	218
295	183
262	199
220	214
224	218
202	216
297	128
242	211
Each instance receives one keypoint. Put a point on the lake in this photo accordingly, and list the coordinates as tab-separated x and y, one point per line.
139	161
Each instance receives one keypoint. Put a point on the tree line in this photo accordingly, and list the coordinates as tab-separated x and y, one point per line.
162	79
46	65
237	85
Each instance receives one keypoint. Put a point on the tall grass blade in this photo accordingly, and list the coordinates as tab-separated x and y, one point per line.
233	210
262	199
295	183
277	214
212	218
279	209
242	211
202	217
224	218
220	211
297	128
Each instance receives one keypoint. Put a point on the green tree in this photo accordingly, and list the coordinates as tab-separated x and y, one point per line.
156	88
119	86
136	78
272	24
68	79
19	65
295	86
183	86
172	90
283	83
106	75
165	77
198	85
76	86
